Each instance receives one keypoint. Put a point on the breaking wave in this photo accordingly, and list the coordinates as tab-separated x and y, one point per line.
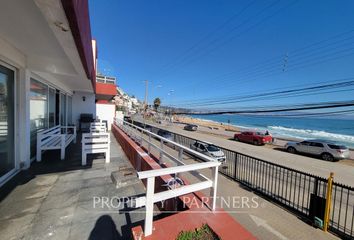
311	134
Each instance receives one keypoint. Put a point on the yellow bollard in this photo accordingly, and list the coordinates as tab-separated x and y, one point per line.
328	202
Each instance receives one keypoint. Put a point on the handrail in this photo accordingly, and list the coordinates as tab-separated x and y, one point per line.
150	175
199	155
163	152
177	169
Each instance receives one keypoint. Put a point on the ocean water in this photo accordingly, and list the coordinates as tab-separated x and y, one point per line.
339	130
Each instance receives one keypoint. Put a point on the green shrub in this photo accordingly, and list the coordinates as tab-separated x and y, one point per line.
202	233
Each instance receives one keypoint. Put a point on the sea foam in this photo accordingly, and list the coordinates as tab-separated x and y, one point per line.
311	134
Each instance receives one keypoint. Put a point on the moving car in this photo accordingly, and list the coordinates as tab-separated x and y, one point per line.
327	150
159	121
209	150
257	138
165	134
191	127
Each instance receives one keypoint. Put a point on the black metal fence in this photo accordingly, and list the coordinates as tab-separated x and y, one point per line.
288	187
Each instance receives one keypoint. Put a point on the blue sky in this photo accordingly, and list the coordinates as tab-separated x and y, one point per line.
205	49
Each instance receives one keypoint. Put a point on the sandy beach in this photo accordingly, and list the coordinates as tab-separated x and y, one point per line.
205	123
227	131
223	129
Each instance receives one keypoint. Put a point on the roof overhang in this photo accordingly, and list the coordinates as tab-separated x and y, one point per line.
54	37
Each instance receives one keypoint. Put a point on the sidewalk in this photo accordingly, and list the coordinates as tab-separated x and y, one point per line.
265	220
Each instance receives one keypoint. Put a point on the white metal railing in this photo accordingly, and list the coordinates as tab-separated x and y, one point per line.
152	197
105	79
129	129
3	128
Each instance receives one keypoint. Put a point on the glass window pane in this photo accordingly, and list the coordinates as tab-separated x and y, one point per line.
70	110
38	111
51	107
63	109
7	109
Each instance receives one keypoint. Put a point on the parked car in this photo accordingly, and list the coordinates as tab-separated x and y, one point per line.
127	119
327	150
209	150
257	138
165	134
191	127
148	128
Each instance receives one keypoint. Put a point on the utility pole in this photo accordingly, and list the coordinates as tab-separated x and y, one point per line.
146	92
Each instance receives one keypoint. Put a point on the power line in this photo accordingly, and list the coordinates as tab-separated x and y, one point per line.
268	99
274	94
274	89
342	112
275	66
194	46
313	106
263	20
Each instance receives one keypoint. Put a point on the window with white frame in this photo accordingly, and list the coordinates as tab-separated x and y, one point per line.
44	108
38	110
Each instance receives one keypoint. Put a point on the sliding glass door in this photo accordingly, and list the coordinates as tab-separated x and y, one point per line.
63	121
48	107
7	121
70	110
38	111
51	107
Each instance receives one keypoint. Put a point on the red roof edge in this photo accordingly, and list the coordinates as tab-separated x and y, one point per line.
77	13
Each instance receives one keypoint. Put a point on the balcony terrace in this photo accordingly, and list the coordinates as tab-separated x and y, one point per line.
64	200
54	198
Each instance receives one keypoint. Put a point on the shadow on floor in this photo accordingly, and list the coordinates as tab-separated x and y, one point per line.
106	229
50	163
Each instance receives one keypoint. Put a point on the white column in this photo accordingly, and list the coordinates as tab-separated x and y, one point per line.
23	142
215	184
150	189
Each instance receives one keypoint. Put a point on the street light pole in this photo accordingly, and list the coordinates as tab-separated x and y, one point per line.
146	92
146	98
170	110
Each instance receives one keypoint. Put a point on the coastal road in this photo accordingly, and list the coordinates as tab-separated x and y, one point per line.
342	173
265	219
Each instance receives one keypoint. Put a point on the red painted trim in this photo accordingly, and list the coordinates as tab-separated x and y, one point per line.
169	227
77	13
106	89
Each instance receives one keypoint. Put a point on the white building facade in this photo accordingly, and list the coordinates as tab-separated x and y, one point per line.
47	74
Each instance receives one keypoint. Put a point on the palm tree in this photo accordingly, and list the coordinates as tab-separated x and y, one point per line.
157	103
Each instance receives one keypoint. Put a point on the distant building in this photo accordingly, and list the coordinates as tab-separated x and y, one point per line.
105	92
126	103
105	79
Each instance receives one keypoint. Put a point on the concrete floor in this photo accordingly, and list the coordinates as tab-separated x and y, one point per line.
54	199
